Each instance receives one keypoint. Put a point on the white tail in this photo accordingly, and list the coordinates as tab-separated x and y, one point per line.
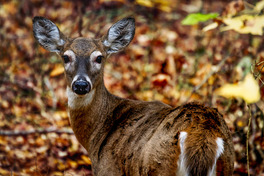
128	137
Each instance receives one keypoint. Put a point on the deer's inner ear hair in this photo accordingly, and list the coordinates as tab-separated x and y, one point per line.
66	58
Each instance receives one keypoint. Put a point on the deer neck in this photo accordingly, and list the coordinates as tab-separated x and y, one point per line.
89	113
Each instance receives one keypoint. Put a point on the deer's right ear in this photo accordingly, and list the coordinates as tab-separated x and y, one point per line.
48	34
119	35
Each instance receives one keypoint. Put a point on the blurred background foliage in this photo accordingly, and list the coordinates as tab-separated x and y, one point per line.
166	61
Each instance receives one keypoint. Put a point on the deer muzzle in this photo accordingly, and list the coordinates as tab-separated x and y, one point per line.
81	86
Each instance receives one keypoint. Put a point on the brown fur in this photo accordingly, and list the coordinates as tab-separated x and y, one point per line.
129	137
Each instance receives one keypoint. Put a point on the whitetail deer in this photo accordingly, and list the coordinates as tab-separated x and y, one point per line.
131	137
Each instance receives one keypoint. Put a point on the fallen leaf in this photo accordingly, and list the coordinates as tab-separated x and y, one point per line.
248	90
146	3
5	172
146	95
259	6
86	159
165	6
160	80
109	1
233	8
245	24
58	70
210	26
195	18
73	164
61	166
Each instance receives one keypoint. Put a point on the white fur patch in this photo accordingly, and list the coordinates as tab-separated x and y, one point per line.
219	151
93	57
70	65
182	169
77	101
220	147
71	54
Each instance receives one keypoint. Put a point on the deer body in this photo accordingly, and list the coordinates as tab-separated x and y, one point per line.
132	137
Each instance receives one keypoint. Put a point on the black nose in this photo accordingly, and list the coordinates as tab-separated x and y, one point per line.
81	87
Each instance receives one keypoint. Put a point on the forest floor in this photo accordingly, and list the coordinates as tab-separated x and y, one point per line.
166	61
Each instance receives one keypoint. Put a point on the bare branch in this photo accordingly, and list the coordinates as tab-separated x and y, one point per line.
248	132
214	70
258	75
35	131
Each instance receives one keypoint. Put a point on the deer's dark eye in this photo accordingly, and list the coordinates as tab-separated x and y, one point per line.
99	59
66	59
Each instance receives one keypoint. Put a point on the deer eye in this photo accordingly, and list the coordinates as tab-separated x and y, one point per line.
99	59
66	59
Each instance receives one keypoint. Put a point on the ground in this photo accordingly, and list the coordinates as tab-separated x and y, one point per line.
166	61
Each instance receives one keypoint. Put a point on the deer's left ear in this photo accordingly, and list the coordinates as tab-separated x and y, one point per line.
48	34
119	35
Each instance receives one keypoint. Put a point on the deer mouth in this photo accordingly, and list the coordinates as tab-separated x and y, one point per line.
81	87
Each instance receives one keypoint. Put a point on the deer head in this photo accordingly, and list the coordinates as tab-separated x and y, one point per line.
83	58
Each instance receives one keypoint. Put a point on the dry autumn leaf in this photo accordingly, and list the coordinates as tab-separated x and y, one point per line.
160	80
73	164
146	3
250	22
164	62
86	159
210	26
259	6
110	1
248	90
165	6
58	70
245	24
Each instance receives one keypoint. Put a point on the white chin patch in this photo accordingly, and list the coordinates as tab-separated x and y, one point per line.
86	78
75	101
78	101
